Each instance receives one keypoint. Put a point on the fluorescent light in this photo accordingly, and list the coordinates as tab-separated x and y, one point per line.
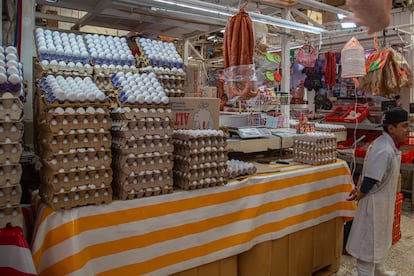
345	25
217	10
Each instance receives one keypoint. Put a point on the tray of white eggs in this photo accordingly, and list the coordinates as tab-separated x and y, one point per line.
139	89
60	46
237	168
10	131
109	50
159	53
70	91
11	76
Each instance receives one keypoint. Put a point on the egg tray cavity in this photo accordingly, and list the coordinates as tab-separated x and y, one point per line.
10	153
10	174
11	215
137	191
10	195
70	200
11	109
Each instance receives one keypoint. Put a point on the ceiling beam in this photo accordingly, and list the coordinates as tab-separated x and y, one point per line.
56	17
312	4
102	5
307	18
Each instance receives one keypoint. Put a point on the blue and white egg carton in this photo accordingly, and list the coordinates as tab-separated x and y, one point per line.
73	90
60	46
11	71
160	53
109	50
139	88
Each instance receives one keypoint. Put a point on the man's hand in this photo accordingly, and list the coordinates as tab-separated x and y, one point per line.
355	194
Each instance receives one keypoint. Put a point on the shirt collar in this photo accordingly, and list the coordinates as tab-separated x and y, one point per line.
390	140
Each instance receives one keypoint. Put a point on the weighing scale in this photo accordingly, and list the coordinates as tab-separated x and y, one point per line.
249	132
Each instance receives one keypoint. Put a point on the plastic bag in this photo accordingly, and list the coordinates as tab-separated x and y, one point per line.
306	55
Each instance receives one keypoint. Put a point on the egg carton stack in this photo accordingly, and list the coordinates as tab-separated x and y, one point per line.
62	52
340	131
171	79
159	53
142	150
11	131
237	168
139	89
200	158
11	75
316	148
75	145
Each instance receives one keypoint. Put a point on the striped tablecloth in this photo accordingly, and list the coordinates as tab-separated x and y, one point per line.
165	234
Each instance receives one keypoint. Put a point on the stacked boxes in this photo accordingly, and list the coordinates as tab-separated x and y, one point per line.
142	149
315	148
76	156
11	131
200	158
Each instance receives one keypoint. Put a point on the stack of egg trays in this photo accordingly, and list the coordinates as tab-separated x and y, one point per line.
11	132
200	159
75	150
142	150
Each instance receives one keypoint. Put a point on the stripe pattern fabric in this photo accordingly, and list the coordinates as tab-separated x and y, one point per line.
170	233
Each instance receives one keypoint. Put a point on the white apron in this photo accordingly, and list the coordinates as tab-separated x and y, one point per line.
370	237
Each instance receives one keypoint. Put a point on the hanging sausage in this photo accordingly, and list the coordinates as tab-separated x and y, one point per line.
238	53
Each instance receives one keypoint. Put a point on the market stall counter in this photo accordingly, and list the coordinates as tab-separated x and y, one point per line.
202	230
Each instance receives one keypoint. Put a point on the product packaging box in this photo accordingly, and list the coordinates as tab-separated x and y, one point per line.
195	113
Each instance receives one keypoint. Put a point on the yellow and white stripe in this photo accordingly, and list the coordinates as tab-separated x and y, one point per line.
170	233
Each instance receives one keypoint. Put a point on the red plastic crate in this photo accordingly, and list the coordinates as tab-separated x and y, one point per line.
337	115
396	229
362	110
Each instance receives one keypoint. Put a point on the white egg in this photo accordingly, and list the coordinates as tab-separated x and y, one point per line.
156	99
165	100
14	79
12	70
148	99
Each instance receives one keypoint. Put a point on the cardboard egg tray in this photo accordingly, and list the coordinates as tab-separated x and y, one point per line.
10	153
68	200
201	173
191	184
11	108
132	147
127	163
142	190
186	167
68	161
143	124
68	180
65	142
186	151
218	141
67	122
11	215
10	174
137	112
200	159
10	131
153	177
143	140
133	134
10	195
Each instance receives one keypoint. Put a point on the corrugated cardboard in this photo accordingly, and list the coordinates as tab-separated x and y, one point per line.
195	113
